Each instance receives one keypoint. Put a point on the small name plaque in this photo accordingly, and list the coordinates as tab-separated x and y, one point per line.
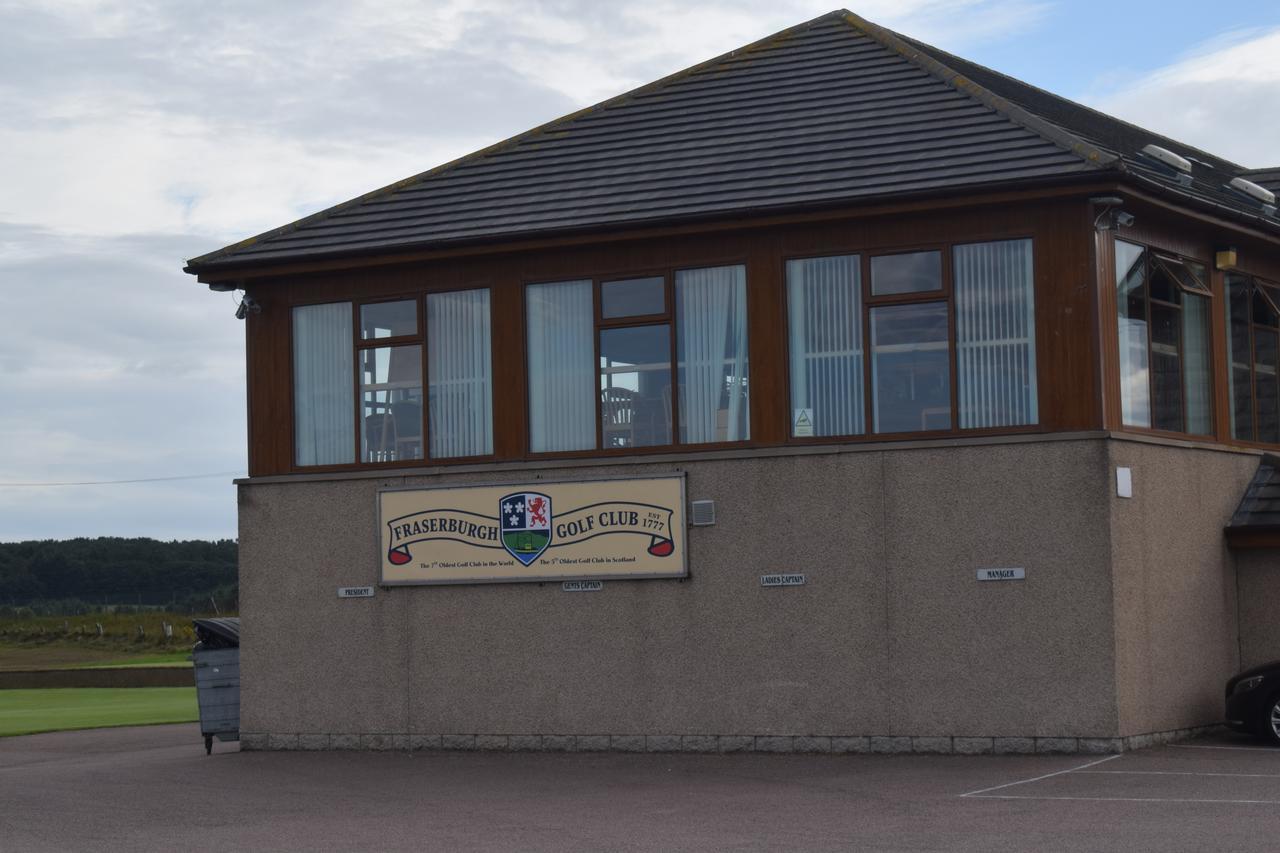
582	586
355	592
1002	574
782	580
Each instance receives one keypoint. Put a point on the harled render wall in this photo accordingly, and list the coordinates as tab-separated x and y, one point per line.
1177	636
1258	575
892	645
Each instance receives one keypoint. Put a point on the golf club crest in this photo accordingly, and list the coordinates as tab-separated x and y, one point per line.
525	519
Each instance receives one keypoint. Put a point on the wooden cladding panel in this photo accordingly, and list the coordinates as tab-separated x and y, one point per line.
1067	342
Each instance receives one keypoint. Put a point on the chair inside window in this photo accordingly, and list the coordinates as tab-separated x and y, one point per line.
618	417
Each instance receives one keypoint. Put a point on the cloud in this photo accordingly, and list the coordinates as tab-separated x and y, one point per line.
115	365
1220	98
139	133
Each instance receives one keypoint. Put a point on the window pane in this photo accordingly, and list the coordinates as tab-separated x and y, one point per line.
1135	390
1166	367
459	352
711	355
323	392
911	273
1265	375
633	297
995	334
561	327
824	317
391	404
389	319
1163	286
1240	356
1196	365
910	368
635	386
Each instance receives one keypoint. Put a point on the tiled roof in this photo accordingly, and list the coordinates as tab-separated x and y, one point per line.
1259	509
834	110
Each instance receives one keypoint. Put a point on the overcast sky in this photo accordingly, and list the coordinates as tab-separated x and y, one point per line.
135	135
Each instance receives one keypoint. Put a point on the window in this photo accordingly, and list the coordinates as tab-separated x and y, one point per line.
995	334
824	320
323	396
907	313
460	373
1163	321
358	380
561	321
1253	324
670	359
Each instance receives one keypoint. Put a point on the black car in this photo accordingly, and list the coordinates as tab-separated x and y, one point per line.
1253	701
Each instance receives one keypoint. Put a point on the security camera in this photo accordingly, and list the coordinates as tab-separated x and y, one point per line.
246	306
1122	219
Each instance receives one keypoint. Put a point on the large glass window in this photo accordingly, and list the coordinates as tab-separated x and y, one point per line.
908	312
1163	309
358	380
995	334
561	319
391	403
711	356
460	374
1253	320
824	319
910	367
670	353
635	386
323	392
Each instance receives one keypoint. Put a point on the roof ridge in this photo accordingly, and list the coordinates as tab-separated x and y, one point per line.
1156	135
1078	145
504	144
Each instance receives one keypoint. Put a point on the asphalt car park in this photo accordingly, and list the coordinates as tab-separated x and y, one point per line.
154	789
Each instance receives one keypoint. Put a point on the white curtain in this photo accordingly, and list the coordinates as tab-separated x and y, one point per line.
711	349
324	401
996	334
459	353
1195	370
824	316
562	402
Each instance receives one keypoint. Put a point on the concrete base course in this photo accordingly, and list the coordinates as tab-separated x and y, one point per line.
708	744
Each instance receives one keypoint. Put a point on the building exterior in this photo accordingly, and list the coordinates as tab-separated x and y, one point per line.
972	377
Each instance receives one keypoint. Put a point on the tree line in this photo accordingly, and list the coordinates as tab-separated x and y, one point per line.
112	570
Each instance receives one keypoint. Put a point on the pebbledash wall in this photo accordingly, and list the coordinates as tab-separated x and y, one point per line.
1131	616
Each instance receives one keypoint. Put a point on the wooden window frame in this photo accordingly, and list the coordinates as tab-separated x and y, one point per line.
1151	256
419	298
600	324
946	295
1257	284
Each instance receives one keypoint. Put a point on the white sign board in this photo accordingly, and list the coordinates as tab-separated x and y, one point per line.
782	580
1002	574
355	592
803	423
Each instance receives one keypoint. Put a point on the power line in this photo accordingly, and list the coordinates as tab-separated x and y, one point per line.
122	482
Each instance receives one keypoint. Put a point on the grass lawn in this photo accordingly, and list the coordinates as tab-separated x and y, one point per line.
24	712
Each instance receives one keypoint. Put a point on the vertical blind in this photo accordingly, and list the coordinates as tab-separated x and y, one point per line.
995	334
711	354
459	351
561	324
324	399
824	313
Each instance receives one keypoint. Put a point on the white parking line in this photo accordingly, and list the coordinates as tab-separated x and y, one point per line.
1241	748
1178	773
1039	778
1122	799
